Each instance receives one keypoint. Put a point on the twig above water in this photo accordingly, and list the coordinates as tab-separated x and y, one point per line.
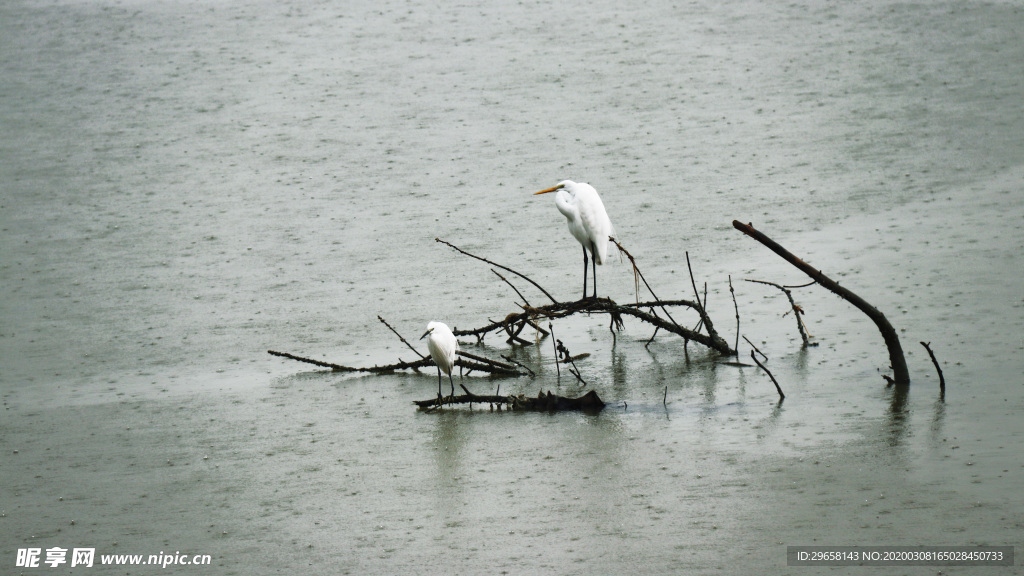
763	355
525	301
637	274
797	310
769	373
942	379
737	307
523	276
385	322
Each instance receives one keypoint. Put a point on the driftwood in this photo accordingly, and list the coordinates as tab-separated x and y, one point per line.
589	402
901	376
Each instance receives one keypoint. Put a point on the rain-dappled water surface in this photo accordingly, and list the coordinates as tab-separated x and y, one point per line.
186	185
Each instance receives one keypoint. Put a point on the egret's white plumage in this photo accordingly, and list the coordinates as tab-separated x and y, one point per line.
588	221
442	346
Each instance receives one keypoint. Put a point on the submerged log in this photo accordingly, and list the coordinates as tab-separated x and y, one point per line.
589	402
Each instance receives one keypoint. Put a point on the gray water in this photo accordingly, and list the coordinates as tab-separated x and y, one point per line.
187	185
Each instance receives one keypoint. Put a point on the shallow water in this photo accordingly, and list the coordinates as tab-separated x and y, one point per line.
187	185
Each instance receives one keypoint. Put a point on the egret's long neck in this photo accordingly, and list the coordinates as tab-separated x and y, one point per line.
567	208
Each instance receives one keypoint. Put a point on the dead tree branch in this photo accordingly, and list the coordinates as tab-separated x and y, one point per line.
737	307
589	402
400	365
525	301
768	372
385	322
892	341
491	367
484	360
756	348
637	274
461	251
606	306
797	310
942	379
513	323
519	364
554	343
568	358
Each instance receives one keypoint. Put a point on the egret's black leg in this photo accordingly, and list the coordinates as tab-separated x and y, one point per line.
453	384
584	273
439	385
595	272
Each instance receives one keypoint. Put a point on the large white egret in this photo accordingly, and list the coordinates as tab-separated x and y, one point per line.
588	221
442	345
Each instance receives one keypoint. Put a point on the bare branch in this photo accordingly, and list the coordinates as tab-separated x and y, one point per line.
400	337
421	363
494	363
461	251
638	274
525	301
519	364
768	372
491	367
942	379
737	307
892	341
703	305
763	355
797	311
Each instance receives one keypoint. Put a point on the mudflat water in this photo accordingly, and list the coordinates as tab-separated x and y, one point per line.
185	185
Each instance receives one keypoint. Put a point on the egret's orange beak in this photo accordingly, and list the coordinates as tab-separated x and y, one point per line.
559	187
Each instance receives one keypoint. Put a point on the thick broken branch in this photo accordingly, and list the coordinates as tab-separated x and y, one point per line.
714	341
606	306
589	402
892	340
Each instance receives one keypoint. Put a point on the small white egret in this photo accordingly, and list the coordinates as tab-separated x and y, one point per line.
442	345
588	221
